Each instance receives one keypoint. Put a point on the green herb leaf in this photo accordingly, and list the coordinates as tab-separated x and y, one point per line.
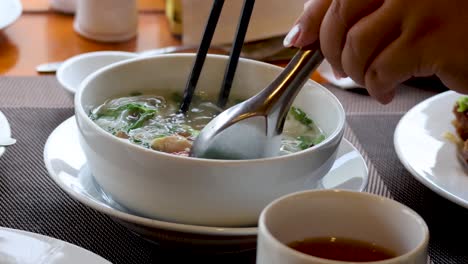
139	111
194	132
462	104
139	123
307	141
301	116
136	107
318	139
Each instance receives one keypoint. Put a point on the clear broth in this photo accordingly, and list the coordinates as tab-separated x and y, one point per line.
153	121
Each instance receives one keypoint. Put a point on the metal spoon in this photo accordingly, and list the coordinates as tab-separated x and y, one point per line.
252	129
5	142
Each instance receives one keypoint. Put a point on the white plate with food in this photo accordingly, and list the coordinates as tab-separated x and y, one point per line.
21	247
10	11
66	164
427	144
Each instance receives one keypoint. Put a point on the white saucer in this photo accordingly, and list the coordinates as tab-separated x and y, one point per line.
5	131
66	164
425	152
10	11
21	247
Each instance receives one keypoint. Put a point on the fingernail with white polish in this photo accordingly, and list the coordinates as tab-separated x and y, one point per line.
291	36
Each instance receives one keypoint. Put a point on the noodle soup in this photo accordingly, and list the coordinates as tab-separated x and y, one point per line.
154	122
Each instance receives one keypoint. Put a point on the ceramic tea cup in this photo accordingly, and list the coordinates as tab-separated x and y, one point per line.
317	222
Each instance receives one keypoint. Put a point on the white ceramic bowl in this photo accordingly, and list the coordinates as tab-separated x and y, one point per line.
191	190
74	70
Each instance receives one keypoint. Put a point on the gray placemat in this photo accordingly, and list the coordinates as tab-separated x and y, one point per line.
44	92
446	220
31	201
357	101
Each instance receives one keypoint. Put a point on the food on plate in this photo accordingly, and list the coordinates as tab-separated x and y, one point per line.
153	121
460	123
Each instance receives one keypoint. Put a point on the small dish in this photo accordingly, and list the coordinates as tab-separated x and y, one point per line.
325	70
10	11
5	131
74	70
25	247
66	164
425	152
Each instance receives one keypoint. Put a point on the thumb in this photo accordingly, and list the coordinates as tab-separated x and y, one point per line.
307	27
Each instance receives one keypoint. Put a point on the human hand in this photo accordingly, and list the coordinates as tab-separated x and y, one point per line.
381	43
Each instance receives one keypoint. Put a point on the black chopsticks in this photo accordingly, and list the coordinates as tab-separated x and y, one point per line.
203	50
235	52
201	54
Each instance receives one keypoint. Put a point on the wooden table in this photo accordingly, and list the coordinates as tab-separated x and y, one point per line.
42	35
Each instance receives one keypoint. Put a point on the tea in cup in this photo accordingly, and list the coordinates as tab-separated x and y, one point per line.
335	226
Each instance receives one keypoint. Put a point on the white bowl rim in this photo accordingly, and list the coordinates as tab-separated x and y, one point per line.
96	55
80	111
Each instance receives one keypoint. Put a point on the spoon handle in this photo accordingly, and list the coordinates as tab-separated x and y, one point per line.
282	91
257	139
296	73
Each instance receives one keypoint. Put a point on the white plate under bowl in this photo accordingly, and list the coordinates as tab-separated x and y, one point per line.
66	164
425	152
10	11
21	247
5	131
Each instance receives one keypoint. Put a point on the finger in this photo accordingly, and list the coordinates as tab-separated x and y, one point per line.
337	74
307	26
397	63
452	77
307	3
367	38
340	17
